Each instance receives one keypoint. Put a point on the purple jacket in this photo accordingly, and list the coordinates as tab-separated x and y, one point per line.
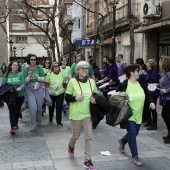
97	73
164	83
121	69
106	70
152	77
113	72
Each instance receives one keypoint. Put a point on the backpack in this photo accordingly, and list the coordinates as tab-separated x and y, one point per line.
119	111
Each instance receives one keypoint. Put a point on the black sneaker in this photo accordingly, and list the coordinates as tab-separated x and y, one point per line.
166	137
147	124
59	124
152	127
167	141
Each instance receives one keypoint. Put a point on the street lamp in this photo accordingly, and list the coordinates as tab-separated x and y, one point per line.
14	50
114	3
11	44
70	29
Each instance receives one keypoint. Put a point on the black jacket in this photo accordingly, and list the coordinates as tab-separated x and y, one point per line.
148	98
99	109
6	95
123	86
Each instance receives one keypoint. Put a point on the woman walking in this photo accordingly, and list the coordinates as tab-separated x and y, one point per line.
14	78
34	89
137	93
46	66
164	84
65	70
79	94
152	77
54	84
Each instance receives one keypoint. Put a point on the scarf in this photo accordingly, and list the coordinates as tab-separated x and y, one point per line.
82	80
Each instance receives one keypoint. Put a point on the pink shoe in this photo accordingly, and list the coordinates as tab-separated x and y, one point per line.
12	131
89	165
16	127
71	151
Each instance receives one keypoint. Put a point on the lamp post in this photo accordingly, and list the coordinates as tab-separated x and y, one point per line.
14	50
114	3
70	29
53	46
11	44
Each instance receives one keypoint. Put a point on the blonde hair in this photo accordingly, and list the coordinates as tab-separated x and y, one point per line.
152	63
165	63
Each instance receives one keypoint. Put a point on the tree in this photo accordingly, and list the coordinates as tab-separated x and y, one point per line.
41	11
4	12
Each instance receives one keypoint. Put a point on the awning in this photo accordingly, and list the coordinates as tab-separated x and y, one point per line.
158	27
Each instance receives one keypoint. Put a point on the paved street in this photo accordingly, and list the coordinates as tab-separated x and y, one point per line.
46	148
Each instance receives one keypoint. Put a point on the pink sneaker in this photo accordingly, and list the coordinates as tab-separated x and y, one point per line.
12	131
16	127
89	165
71	151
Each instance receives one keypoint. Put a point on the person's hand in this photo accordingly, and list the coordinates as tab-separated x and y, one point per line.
111	81
152	106
18	89
105	78
30	74
11	90
163	90
36	76
79	98
49	92
93	100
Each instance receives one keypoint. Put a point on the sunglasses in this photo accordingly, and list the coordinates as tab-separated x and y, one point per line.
33	59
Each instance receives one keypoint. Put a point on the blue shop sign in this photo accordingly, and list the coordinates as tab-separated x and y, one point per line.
87	43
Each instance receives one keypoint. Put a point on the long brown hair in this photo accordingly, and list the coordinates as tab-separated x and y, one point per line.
8	70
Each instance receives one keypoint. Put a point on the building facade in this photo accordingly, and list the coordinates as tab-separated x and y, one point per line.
26	37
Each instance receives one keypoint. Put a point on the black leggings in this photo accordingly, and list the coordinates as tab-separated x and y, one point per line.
154	114
58	103
166	114
14	111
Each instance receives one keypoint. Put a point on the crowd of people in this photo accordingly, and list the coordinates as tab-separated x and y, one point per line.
56	84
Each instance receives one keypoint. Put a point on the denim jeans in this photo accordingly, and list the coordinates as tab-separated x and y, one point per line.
130	137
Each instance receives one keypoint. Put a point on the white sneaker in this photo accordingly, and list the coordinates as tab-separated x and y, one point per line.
32	129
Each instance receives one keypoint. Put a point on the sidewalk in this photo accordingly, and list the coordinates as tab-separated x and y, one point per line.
46	148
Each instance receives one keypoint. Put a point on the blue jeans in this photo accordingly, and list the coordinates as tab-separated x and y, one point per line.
130	137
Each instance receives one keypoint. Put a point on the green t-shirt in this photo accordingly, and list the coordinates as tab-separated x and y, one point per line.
80	110
15	79
55	83
38	70
65	72
46	70
73	71
136	101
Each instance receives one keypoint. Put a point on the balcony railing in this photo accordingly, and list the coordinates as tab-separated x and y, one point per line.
121	17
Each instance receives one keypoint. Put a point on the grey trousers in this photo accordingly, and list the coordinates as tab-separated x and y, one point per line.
76	129
35	102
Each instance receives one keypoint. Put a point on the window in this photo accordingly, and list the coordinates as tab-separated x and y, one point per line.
21	39
18	26
69	9
18	12
78	23
42	24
